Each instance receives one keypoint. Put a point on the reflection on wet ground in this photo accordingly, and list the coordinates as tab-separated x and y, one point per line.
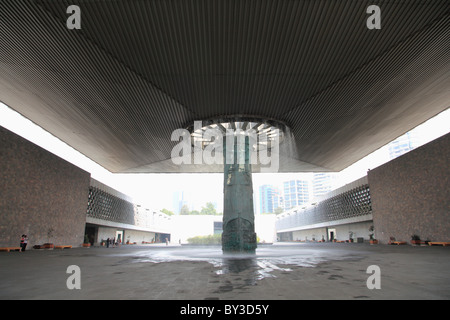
278	271
254	267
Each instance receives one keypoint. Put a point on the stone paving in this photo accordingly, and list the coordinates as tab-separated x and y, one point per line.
276	272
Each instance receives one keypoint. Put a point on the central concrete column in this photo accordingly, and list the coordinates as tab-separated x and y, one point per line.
238	216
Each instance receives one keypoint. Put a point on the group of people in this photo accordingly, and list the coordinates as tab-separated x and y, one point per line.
113	242
24	242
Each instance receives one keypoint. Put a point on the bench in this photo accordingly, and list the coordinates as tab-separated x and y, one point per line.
439	243
9	249
44	246
420	243
397	242
63	247
392	240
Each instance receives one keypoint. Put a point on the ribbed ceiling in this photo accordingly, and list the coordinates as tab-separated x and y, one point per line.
116	89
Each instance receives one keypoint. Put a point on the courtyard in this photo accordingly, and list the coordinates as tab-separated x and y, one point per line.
283	271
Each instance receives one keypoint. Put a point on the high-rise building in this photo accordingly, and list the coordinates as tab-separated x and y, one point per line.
323	182
178	201
269	198
402	145
296	193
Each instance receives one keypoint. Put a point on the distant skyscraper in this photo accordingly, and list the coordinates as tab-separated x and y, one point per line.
296	193
323	182
269	198
402	145
178	201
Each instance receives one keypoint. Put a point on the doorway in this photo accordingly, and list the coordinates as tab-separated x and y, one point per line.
331	234
119	236
92	232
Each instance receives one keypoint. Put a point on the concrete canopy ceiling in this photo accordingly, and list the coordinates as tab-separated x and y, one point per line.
117	88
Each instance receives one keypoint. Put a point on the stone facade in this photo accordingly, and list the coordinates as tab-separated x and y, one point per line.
41	195
411	194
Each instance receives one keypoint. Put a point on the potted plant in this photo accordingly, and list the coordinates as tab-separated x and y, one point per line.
49	245
371	236
350	236
86	243
415	239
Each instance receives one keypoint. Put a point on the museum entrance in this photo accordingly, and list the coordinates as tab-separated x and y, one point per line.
91	231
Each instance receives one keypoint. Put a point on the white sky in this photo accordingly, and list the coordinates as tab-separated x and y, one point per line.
155	191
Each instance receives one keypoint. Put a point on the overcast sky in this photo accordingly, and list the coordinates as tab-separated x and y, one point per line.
156	190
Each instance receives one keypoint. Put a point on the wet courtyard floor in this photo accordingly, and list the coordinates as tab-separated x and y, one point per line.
275	272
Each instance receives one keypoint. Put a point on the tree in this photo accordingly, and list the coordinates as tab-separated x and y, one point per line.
184	210
209	209
168	212
278	210
210	239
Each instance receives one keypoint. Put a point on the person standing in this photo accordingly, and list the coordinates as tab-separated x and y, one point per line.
22	239
23	242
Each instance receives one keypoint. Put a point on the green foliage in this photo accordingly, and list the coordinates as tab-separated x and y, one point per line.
207	210
278	210
168	212
184	210
210	239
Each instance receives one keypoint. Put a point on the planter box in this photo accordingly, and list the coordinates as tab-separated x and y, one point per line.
374	241
86	245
